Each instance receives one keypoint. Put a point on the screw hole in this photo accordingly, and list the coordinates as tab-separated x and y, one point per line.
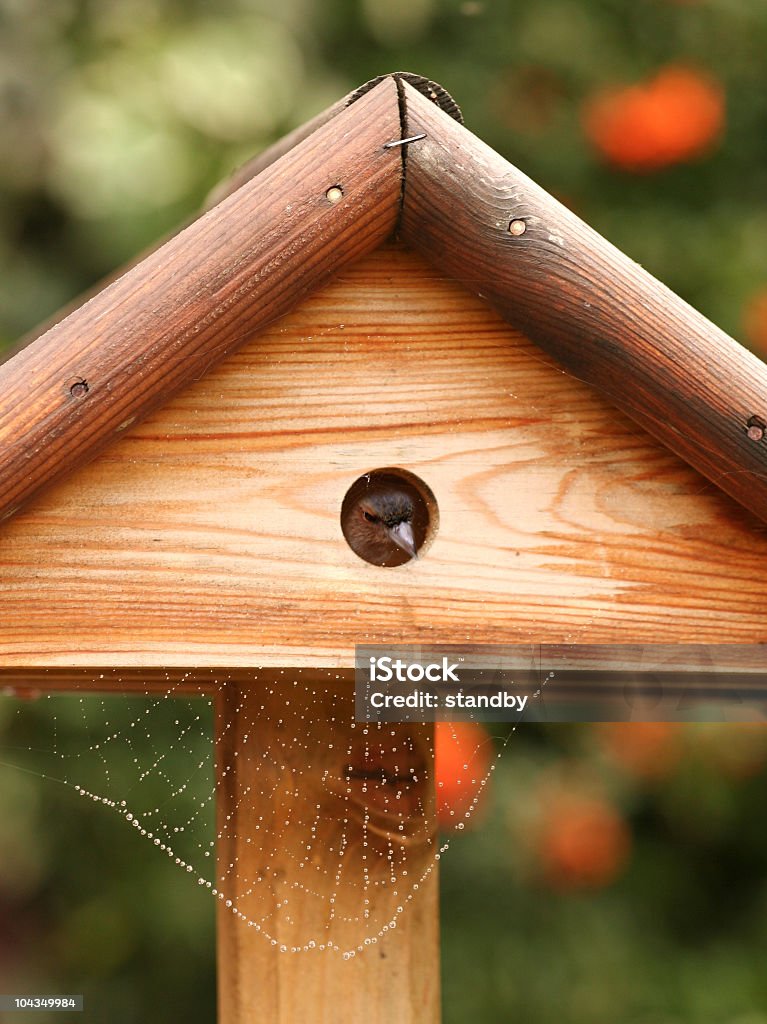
334	194
755	428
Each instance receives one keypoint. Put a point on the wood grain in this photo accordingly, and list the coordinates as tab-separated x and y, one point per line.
242	265
603	317
210	534
258	163
31	682
434	93
263	864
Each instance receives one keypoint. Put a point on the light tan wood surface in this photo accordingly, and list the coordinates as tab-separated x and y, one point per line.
210	533
305	855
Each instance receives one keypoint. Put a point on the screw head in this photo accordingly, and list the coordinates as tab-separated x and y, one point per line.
517	228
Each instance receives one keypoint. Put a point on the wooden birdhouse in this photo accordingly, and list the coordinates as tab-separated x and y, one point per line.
378	294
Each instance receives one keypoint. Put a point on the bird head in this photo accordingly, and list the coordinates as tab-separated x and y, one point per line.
379	526
388	518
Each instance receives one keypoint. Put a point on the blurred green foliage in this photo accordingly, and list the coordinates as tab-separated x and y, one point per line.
88	905
675	937
116	118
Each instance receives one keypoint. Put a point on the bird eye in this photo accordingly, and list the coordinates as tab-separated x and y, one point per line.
370	517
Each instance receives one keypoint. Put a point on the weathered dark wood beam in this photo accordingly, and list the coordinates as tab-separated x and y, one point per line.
242	265
605	319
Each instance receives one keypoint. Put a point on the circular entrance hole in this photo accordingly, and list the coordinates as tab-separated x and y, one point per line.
389	517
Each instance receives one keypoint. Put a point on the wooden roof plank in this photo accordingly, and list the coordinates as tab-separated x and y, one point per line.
236	269
605	319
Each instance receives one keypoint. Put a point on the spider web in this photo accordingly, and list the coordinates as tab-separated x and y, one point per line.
314	830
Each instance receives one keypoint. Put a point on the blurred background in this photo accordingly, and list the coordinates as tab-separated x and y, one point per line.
612	873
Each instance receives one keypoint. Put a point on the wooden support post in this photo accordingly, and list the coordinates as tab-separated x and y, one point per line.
308	811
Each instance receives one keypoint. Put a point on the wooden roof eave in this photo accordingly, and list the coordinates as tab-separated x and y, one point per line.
260	250
240	266
597	312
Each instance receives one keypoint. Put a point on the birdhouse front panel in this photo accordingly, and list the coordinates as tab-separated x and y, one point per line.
211	533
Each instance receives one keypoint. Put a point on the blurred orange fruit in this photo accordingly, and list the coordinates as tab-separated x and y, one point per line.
672	117
462	754
755	322
648	750
583	842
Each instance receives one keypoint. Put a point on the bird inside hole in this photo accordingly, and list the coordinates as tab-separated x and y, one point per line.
384	519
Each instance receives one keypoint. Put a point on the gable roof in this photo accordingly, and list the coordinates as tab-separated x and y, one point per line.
331	192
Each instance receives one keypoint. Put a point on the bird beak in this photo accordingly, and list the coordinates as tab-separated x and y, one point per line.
402	535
